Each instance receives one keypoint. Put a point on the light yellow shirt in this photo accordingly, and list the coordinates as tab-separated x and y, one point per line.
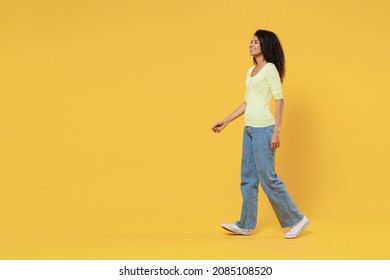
259	89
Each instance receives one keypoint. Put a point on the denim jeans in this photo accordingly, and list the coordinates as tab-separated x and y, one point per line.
258	165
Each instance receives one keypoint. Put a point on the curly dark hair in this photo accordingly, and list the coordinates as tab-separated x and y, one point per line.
272	50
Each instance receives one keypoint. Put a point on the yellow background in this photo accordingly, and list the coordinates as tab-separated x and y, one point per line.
106	150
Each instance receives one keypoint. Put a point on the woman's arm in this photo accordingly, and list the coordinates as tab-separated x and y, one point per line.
219	126
275	140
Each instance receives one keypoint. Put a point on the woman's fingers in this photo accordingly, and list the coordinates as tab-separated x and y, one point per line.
218	127
275	141
275	144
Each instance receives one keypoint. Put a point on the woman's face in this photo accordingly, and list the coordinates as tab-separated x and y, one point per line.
254	47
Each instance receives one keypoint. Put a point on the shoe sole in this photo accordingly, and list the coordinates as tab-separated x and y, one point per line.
299	232
236	231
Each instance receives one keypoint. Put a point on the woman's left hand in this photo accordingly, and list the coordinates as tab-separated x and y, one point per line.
275	140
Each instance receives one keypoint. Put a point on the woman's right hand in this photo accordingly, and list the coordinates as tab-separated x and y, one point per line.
219	126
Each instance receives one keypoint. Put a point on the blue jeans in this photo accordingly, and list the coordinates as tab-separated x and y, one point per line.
258	165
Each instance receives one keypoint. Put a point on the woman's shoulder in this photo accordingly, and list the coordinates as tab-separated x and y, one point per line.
270	65
271	68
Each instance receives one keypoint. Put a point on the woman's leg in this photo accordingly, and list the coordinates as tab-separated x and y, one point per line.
249	184
282	203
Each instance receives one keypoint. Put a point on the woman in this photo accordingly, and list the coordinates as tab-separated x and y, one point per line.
262	138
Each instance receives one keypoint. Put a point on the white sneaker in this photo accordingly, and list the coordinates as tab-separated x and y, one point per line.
297	229
236	229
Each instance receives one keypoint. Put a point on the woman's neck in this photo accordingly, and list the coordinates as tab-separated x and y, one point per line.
260	61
